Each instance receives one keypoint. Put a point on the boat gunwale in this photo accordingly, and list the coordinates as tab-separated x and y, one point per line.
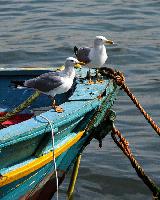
27	71
44	124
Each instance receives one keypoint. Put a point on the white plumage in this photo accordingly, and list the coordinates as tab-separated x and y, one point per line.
96	56
53	83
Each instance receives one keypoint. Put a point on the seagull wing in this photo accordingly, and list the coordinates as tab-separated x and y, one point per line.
45	82
82	54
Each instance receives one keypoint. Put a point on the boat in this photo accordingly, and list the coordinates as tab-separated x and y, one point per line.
30	140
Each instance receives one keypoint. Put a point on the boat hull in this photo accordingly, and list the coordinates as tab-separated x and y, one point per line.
27	168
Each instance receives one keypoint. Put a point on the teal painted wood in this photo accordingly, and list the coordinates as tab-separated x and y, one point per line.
23	142
64	162
27	183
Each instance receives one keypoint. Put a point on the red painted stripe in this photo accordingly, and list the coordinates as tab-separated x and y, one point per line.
15	119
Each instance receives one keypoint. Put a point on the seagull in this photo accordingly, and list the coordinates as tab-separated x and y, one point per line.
94	57
53	83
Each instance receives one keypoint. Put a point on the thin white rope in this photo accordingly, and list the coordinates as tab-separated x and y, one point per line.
54	159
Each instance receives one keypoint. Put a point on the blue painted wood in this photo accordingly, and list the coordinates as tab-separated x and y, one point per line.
24	71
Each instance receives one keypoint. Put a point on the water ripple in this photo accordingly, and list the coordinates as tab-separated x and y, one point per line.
43	33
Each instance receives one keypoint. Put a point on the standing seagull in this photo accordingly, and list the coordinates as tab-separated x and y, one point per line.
93	57
53	83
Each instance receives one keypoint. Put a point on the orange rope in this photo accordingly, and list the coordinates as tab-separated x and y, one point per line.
123	144
120	81
138	105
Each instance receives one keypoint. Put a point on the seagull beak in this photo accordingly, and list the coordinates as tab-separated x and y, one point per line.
79	64
109	42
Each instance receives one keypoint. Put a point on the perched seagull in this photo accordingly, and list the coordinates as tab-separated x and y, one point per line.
94	57
52	83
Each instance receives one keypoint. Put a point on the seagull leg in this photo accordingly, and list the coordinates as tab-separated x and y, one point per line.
89	77
98	80
56	108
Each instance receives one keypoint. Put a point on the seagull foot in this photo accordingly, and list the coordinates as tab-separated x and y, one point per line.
90	82
99	81
58	109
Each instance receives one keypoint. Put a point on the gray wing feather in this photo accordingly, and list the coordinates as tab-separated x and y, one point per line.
83	54
45	82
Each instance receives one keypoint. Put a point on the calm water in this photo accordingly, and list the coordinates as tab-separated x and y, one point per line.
43	32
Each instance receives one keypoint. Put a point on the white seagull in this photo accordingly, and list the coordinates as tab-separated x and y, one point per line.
93	57
53	83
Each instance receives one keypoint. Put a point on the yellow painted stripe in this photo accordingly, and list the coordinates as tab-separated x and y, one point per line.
35	68
37	163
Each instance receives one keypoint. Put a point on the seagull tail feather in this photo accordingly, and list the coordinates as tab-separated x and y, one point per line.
17	84
76	51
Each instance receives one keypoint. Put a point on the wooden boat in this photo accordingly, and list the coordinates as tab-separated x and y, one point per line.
27	170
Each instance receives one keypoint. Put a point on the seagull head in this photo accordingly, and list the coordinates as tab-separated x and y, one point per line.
101	40
70	61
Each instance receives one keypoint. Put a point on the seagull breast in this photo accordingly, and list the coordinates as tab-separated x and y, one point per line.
98	56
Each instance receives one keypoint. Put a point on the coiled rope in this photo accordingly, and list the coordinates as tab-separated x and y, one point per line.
123	144
119	79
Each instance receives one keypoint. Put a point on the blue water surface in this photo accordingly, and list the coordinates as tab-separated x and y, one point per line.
43	33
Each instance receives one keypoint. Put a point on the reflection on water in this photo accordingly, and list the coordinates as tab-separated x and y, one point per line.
43	33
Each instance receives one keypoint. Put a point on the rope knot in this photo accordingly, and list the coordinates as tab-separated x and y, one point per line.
119	78
113	74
